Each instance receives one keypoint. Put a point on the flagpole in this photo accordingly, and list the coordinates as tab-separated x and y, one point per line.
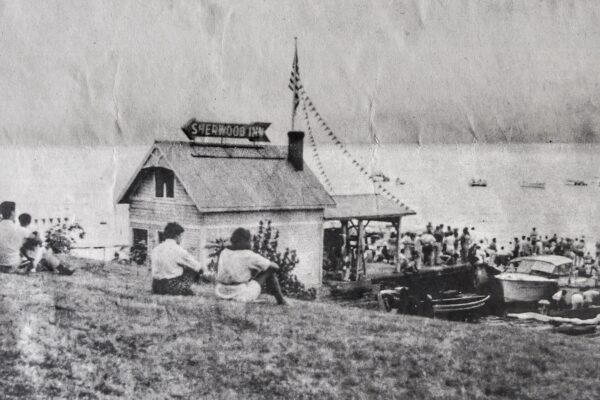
293	97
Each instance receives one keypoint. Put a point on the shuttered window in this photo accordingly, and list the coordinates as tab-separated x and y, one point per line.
165	181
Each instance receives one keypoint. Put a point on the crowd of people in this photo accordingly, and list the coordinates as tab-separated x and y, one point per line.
445	245
21	250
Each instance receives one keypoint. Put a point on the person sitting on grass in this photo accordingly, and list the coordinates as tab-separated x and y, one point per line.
241	272
32	248
38	257
173	268
11	239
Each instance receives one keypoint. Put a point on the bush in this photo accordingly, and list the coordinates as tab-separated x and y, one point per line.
266	242
62	237
139	252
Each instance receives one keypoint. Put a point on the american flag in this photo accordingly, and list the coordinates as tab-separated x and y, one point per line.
295	85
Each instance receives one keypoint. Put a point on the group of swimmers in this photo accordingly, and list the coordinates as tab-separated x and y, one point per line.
21	250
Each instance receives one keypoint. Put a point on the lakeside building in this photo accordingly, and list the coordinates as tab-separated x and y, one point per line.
213	188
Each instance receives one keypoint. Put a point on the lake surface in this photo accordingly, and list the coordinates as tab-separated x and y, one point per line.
82	183
437	185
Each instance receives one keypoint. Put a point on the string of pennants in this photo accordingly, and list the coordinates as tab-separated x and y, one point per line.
333	137
316	156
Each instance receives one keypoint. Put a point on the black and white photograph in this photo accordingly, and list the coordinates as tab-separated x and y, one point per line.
300	199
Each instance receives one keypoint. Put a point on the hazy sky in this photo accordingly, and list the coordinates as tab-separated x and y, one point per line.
122	71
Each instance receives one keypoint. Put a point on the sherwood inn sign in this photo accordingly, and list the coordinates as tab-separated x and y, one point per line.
255	132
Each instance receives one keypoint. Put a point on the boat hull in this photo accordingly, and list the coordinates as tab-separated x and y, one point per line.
525	289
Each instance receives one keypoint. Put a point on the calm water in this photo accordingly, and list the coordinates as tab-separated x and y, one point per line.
82	182
437	186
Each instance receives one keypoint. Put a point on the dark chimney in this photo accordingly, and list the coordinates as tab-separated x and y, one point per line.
296	149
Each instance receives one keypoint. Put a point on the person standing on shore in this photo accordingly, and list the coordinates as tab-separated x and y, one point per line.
516	248
465	243
534	236
429	246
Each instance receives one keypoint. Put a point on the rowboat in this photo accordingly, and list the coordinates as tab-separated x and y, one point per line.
404	301
458	304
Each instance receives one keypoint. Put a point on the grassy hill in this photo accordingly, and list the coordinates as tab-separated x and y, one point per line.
101	334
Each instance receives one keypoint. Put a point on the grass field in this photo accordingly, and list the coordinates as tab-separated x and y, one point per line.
101	334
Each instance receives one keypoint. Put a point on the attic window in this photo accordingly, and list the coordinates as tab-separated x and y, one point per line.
165	181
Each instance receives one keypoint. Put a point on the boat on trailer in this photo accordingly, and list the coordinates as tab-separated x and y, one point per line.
535	278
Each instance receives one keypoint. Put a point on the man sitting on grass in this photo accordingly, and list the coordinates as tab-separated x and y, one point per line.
242	272
11	238
173	268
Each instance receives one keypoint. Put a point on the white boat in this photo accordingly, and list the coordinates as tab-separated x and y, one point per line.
535	278
533	185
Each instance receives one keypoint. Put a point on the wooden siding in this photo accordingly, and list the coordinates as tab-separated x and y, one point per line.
161	211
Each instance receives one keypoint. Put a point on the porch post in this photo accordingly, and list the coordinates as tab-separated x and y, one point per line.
398	243
360	265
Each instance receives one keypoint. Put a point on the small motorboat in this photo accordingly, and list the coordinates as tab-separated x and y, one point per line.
477	182
533	185
399	182
572	182
534	278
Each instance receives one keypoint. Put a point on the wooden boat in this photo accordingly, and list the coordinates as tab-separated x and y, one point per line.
477	182
533	185
535	278
404	301
458	304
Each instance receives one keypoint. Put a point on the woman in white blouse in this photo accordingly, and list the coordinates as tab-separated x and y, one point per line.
241	272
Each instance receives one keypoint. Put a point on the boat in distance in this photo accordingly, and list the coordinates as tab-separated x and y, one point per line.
533	185
573	182
535	278
477	182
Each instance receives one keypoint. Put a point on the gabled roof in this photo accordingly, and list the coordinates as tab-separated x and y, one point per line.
238	178
366	206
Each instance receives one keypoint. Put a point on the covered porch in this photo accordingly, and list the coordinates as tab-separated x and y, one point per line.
351	218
